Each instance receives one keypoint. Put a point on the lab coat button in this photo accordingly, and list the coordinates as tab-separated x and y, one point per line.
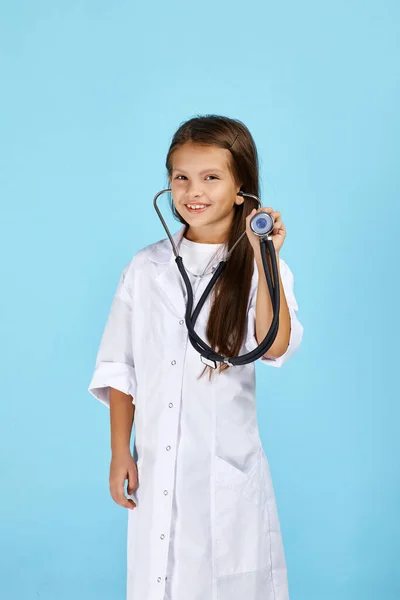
158	579
181	322
165	492
173	362
170	405
168	448
162	536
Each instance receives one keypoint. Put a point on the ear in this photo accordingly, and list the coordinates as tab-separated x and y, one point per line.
239	199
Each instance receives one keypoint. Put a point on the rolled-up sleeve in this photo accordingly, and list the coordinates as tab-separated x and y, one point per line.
296	328
114	363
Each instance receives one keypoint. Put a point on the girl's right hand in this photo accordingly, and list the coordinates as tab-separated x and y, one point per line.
123	468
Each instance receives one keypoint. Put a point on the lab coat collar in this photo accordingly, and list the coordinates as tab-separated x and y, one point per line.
161	252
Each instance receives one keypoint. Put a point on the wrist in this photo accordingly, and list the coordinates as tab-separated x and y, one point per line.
118	450
259	261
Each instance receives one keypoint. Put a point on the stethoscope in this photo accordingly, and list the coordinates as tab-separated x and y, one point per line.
262	225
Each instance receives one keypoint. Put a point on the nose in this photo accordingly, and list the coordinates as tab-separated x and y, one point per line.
193	190
194	196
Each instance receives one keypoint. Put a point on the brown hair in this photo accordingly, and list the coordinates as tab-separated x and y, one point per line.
228	312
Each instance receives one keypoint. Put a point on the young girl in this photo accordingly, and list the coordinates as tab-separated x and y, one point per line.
203	524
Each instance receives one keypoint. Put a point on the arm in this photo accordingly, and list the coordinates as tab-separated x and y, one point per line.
122	466
264	312
122	412
114	384
115	367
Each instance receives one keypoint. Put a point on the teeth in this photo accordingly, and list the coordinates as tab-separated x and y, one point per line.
197	205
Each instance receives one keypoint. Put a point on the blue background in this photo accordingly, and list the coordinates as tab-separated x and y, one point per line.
92	92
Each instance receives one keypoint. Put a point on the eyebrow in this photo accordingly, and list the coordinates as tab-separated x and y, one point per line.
213	169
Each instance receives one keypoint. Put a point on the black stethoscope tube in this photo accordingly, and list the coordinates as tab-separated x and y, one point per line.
204	349
209	356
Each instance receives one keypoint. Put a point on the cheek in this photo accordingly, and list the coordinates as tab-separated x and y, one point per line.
224	196
177	189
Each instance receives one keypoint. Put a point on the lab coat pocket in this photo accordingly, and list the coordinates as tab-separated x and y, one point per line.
241	518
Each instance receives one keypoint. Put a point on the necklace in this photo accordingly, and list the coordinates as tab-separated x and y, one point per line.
206	270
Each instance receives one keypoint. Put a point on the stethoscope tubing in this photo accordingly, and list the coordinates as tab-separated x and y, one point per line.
210	356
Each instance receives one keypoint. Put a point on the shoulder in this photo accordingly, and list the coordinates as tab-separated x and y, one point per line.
141	263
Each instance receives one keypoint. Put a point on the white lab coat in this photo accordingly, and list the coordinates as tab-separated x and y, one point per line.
206	525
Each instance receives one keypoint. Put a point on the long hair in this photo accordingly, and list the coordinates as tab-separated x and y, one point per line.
226	325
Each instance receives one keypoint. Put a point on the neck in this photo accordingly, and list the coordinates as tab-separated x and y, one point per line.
214	233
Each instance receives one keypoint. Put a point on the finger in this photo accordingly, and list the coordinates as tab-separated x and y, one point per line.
132	482
127	503
117	490
281	230
122	500
282	226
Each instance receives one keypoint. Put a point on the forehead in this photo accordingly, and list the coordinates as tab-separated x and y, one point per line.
198	157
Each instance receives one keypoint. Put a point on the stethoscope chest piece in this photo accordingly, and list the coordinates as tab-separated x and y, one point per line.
262	224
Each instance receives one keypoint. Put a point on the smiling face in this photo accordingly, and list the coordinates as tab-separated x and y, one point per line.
204	191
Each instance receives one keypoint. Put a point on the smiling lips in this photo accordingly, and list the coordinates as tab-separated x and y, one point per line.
196	208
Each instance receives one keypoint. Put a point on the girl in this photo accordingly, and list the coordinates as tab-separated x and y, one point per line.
203	523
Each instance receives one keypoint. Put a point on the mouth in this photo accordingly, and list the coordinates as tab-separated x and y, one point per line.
196	208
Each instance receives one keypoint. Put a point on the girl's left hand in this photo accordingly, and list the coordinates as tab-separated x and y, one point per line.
278	233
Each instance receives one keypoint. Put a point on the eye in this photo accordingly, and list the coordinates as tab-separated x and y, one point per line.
179	176
213	176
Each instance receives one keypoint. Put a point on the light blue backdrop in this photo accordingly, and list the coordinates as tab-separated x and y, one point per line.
92	92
